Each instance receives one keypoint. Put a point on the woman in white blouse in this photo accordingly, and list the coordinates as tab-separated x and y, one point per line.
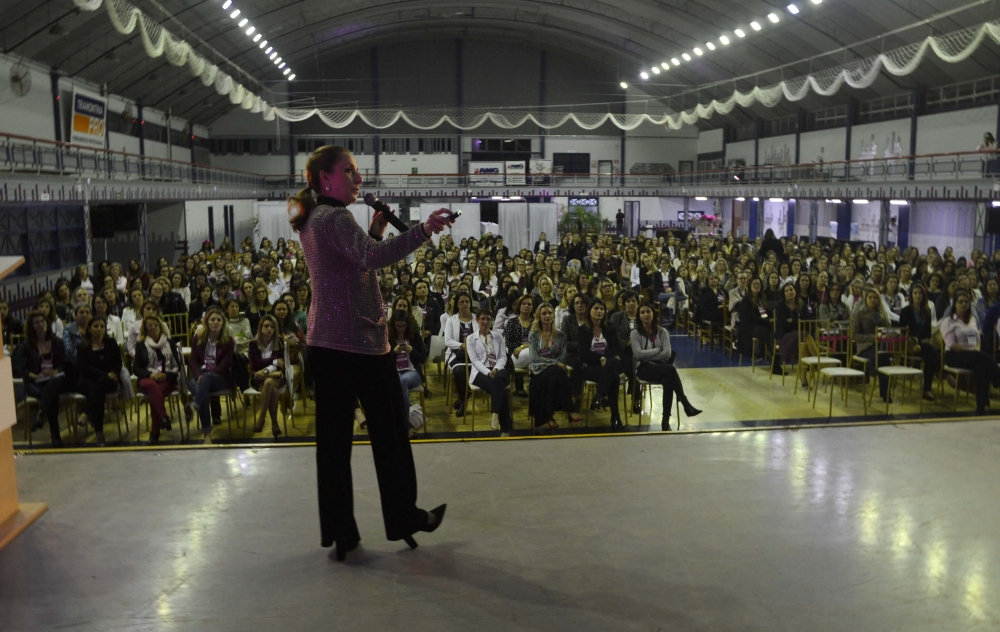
488	357
962	349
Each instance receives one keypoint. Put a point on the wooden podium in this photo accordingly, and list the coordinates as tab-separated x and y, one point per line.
14	516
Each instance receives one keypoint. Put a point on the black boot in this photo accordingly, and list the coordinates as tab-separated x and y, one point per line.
665	423
689	410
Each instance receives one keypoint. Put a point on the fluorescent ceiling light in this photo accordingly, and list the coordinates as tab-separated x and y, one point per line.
773	17
686	57
775	199
834	201
624	85
710	46
860	201
243	22
996	203
665	65
225	5
281	65
644	74
701	199
794	10
251	30
898	202
675	61
656	70
698	51
277	61
291	77
269	49
756	199
273	55
817	1
740	33
257	37
755	25
740	199
724	40
263	44
235	14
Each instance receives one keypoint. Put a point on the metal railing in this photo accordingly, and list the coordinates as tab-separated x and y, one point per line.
952	166
24	154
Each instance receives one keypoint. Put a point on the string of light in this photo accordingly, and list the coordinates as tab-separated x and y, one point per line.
251	31
724	40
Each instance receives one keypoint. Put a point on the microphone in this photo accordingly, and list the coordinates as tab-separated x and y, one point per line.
387	213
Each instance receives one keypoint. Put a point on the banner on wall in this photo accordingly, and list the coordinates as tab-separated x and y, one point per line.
90	113
515	171
490	173
540	170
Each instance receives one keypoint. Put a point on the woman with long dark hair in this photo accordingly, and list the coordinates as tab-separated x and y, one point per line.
351	342
99	365
40	360
920	322
651	360
599	350
962	342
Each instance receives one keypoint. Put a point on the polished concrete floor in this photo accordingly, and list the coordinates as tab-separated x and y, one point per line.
860	528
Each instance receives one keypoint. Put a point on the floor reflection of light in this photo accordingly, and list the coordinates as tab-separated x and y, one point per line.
901	541
819	480
844	491
868	519
975	592
778	454
937	565
798	467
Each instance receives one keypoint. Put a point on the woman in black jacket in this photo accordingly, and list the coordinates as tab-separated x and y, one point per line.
917	318
712	300
599	350
755	318
99	365
40	360
786	326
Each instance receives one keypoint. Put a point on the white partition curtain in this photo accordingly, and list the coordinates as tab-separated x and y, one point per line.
514	226
542	219
362	214
423	211
272	222
468	224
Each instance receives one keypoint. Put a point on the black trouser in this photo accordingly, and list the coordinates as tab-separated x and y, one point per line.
457	367
347	378
932	364
96	391
626	357
496	387
47	393
884	359
576	381
666	376
746	335
985	372
608	380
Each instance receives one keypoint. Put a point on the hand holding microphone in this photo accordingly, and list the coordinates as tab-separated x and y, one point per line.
437	221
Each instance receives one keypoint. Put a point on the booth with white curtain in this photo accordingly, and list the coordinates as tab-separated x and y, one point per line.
272	220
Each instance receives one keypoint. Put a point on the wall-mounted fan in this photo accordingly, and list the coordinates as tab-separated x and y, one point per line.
20	79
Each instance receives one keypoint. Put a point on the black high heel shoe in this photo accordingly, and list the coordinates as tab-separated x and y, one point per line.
344	547
434	519
690	410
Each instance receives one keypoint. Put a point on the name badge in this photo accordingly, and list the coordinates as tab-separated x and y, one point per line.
491	359
159	367
545	352
599	347
402	362
666	287
209	361
971	339
763	311
46	364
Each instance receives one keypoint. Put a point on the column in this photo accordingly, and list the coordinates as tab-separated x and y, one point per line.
143	242
813	219
883	223
375	100
851	107
752	223
903	227
142	138
687	213
57	114
844	221
980	238
459	96
790	229
543	78
914	113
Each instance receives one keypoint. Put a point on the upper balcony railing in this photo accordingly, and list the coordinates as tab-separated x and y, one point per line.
23	154
972	165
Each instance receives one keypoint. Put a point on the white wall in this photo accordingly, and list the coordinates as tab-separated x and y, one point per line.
955	131
827	144
424	163
123	142
742	149
777	150
266	165
775	217
867	217
710	141
30	115
943	224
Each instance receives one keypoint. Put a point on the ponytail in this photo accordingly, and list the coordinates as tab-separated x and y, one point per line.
302	204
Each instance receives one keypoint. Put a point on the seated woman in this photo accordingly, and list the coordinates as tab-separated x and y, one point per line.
834	310
200	304
114	324
962	350
157	366
865	319
410	350
651	362
40	360
99	366
259	306
551	388
755	319
458	327
786	327
488	357
599	352
239	325
515	335
209	368
711	302
919	319
267	371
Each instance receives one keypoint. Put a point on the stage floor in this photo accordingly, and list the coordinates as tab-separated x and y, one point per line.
858	528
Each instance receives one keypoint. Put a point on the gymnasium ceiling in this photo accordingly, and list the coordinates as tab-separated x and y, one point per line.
623	36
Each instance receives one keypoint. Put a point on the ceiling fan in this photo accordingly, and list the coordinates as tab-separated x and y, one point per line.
20	79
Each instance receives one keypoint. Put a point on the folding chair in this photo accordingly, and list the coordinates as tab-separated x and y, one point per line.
893	341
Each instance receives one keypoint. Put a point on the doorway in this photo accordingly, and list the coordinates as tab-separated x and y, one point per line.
631	218
605	169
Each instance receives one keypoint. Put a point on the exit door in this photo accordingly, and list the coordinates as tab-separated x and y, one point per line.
604	170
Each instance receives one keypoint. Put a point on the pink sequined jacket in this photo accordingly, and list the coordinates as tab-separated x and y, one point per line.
347	312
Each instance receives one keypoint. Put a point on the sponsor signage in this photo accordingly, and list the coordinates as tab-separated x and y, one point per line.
692	215
515	172
90	114
488	173
583	201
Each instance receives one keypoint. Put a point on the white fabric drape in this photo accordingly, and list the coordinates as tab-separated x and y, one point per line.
542	219
362	215
272	222
514	226
468	224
